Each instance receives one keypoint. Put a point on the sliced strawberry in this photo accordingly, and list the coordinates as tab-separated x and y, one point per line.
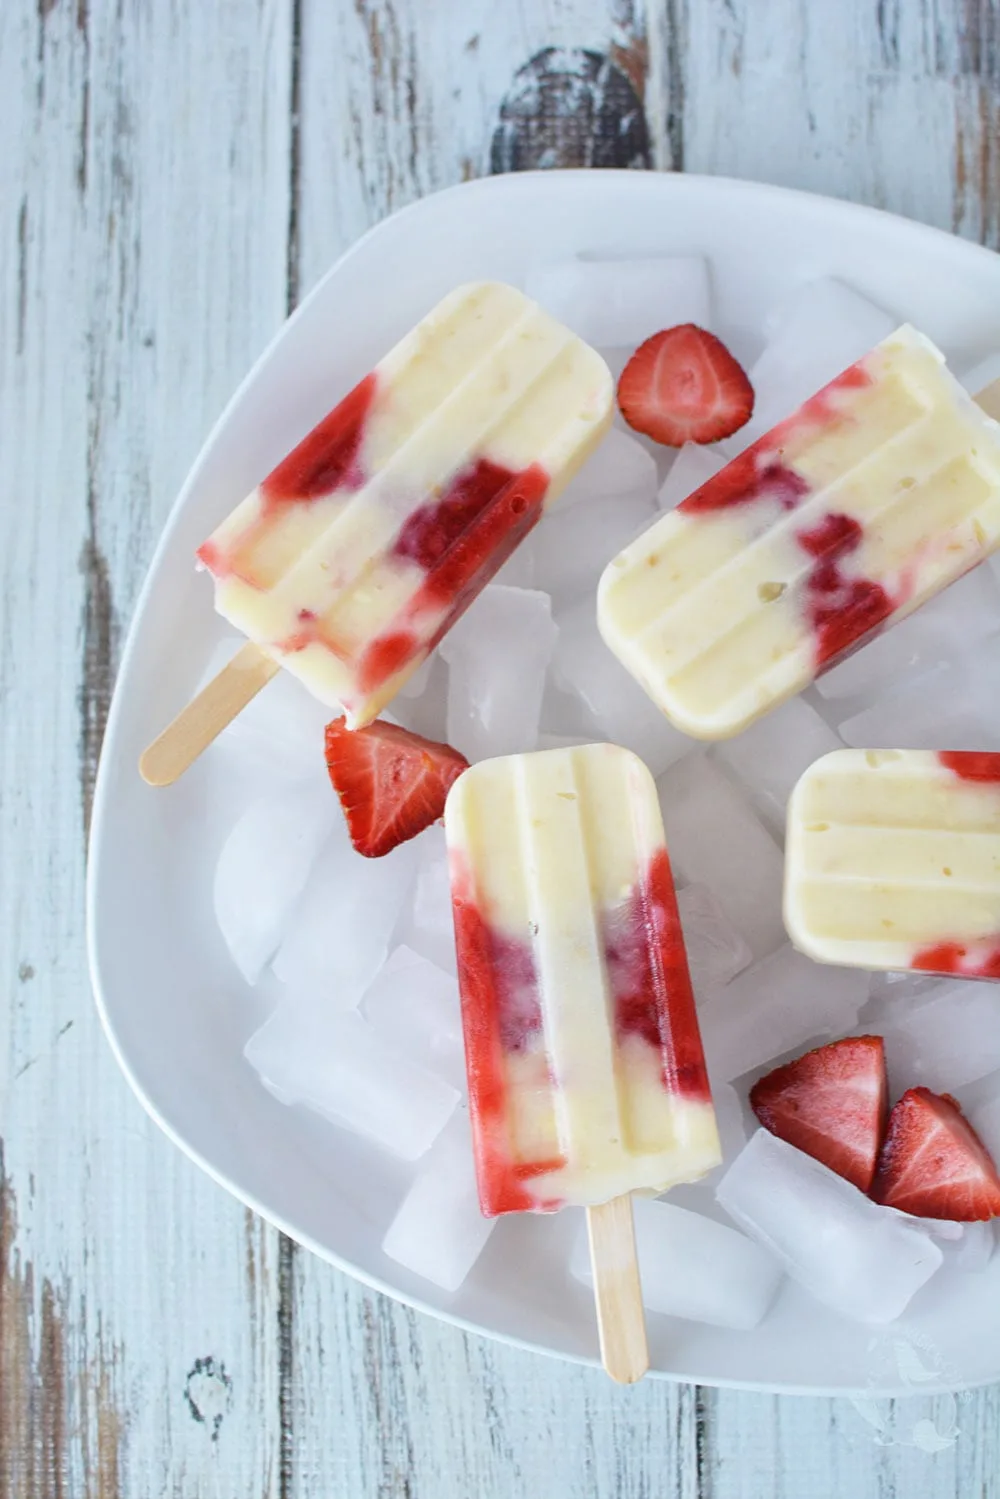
831	1103
933	1163
392	784
683	385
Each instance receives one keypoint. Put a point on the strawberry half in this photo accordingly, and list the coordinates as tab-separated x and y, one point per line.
933	1163
392	784
831	1103
683	385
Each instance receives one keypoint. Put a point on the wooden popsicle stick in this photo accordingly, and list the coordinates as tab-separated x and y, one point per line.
621	1320
206	715
989	399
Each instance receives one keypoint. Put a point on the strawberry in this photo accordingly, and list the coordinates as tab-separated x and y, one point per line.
392	784
831	1103
933	1163
683	385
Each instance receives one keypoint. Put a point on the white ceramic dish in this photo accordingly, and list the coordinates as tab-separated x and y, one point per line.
174	1007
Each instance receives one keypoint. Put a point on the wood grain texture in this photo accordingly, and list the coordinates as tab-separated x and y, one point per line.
621	1320
760	1444
414	105
145	160
892	104
389	1403
172	176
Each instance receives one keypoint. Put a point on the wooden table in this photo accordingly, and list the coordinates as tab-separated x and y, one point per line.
174	174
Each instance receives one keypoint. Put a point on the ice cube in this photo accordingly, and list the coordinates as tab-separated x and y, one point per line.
828	305
519	569
415	1004
425	712
715	950
943	1039
976	378
440	1232
956	703
965	614
617	706
770	756
564	713
572	549
944	1229
731	1120
618	302
497	657
716	839
263	868
813	335
859	1258
282	728
693	467
775	1007
985	1120
972	1250
889	986
561	741
620	467
338	935
418	683
427	926
334	1062
694	1267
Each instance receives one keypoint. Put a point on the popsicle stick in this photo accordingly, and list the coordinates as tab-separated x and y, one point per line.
206	715
989	399
621	1320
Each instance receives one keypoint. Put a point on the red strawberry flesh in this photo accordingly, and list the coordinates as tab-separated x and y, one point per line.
683	385
392	784
830	1103
933	1164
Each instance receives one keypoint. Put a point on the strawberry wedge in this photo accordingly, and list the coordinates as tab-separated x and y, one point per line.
933	1164
392	784
830	1103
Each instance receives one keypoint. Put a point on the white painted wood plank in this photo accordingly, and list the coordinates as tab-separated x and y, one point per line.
881	104
918	1447
395	105
144	183
389	1402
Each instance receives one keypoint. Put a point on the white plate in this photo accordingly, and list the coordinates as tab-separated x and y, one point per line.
174	1008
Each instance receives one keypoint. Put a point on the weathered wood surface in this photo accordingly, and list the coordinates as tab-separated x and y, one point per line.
142	265
172	177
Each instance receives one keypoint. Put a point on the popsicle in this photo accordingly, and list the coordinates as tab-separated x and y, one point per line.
876	494
892	861
586	1074
351	560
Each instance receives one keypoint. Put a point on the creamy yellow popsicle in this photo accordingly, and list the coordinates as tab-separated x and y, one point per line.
876	494
892	861
586	1074
356	554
